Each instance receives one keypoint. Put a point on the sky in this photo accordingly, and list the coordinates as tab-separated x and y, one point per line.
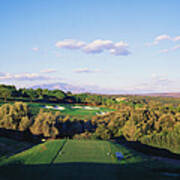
128	46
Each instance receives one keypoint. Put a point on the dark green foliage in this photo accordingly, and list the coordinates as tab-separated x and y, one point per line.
93	99
7	92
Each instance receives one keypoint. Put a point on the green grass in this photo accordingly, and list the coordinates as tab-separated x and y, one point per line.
81	151
80	159
39	154
78	113
96	151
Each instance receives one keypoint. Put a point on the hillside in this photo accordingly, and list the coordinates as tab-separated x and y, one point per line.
169	94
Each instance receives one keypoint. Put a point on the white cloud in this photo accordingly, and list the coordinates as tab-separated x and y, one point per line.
159	38
164	51
177	38
157	83
160	79
48	71
163	37
175	48
70	44
96	46
86	70
23	77
35	49
120	48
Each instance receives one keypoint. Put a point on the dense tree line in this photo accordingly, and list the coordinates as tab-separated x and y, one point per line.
93	99
11	93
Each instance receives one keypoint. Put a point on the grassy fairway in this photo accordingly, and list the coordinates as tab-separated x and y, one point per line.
69	110
81	151
74	159
40	154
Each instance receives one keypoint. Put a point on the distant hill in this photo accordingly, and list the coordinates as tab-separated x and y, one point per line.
62	86
176	94
94	89
78	89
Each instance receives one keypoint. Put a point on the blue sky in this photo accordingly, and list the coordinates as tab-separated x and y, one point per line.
129	46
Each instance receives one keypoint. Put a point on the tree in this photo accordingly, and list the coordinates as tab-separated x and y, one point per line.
39	92
16	116
103	132
165	122
60	95
5	93
45	124
25	123
130	131
32	94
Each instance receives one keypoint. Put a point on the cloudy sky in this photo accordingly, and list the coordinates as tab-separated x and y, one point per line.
128	45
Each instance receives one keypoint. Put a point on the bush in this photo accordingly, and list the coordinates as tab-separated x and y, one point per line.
45	124
15	117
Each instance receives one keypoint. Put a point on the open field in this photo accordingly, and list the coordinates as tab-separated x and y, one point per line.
71	159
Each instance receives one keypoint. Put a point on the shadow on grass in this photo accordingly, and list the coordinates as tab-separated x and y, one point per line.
147	149
16	138
84	171
20	135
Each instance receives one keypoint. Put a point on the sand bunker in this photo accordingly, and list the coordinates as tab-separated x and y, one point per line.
77	107
59	107
91	108
55	107
73	107
48	107
85	107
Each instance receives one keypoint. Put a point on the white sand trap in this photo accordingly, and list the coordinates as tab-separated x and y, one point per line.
49	107
102	113
55	108
59	108
85	107
77	107
91	108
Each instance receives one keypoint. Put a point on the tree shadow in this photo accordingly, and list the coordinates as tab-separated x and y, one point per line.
147	149
20	141
20	135
80	170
